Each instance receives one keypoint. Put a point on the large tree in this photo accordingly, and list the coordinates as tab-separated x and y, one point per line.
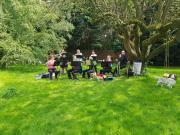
146	27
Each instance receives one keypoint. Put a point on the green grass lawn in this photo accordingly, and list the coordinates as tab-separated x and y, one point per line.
134	106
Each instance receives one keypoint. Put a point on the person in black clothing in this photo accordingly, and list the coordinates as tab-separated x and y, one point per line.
63	61
94	60
106	65
122	62
91	68
79	55
79	58
76	68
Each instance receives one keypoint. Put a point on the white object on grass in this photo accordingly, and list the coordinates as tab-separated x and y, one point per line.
169	82
137	68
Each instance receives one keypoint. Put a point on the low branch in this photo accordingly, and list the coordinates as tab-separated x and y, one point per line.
157	37
158	50
152	40
154	27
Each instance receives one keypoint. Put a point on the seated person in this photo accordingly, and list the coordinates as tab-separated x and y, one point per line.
51	67
122	62
123	59
63	61
56	64
106	65
76	68
79	57
90	70
94	60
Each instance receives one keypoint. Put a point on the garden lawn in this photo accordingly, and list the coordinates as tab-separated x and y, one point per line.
134	106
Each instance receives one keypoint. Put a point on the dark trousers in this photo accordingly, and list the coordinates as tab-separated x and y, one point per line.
104	71
51	71
72	73
88	71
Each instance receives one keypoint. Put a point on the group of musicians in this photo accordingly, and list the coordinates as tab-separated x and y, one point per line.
61	61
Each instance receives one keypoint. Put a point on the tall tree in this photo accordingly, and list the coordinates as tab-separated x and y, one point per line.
146	27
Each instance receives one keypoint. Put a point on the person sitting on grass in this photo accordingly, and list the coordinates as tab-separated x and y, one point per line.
51	67
106	65
76	68
90	70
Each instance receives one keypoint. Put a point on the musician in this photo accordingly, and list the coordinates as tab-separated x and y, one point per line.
79	58
90	69
76	68
94	60
63	61
52	67
106	65
122	62
79	55
123	59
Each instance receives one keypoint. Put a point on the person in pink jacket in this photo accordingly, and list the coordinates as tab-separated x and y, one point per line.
51	67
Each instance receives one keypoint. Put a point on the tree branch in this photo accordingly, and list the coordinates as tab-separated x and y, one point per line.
161	48
139	13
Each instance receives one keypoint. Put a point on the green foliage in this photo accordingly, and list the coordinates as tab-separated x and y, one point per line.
15	53
29	29
117	45
2	52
